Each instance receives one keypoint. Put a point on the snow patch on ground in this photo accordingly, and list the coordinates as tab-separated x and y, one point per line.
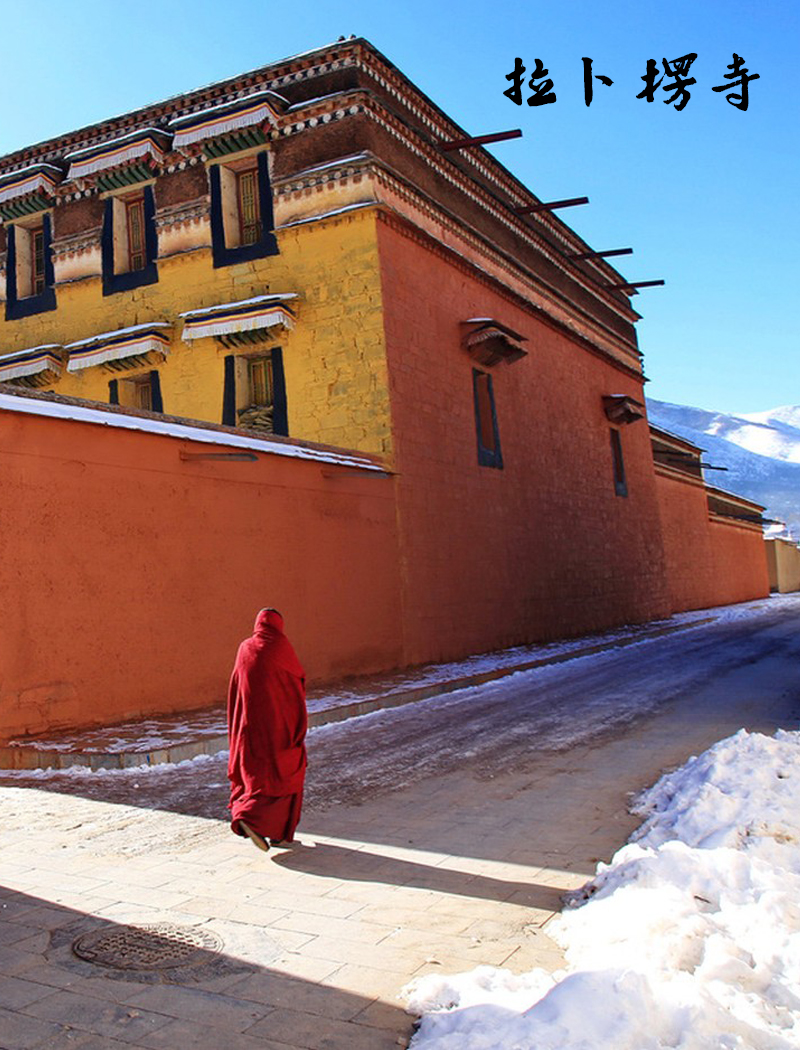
688	939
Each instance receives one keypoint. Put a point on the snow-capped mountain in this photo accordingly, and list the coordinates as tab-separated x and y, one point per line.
761	451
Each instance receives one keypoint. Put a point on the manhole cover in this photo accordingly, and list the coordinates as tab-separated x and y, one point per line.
158	946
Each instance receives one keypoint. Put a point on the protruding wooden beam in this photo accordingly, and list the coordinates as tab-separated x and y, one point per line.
480	140
570	202
601	255
637	284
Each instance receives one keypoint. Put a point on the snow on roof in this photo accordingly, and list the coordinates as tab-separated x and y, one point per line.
119	331
32	350
37	166
327	214
318	98
329	164
131	136
233	103
277	297
184	431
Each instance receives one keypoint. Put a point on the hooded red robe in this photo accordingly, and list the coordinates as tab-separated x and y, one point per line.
267	724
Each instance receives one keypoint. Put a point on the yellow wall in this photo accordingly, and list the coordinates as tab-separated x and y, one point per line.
783	563
334	359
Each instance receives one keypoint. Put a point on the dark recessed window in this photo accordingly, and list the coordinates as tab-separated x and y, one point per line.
248	205
241	211
255	392
134	215
130	241
620	485
489	454
30	278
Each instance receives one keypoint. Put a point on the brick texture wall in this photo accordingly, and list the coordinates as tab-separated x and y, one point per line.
707	562
134	574
543	548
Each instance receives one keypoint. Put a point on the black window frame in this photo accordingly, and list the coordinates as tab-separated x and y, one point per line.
114	283
618	463
280	413
267	244
16	307
487	457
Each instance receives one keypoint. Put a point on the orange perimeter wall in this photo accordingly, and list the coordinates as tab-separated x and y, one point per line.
543	548
129	576
708	562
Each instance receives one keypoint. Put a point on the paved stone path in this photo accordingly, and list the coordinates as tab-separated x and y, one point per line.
448	873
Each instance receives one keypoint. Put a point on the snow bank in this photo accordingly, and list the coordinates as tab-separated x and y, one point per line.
689	939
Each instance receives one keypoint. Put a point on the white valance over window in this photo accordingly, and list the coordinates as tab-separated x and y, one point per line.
263	311
144	144
39	359
256	109
113	346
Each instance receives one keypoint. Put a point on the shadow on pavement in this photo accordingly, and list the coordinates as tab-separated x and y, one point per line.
359	865
69	976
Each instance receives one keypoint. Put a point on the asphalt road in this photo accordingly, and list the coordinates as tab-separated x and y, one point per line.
740	671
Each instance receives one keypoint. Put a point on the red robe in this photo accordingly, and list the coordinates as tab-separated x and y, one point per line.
267	724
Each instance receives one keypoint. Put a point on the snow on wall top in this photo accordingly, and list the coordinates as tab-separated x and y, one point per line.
184	431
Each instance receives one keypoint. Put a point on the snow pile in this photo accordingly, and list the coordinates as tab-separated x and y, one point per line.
688	939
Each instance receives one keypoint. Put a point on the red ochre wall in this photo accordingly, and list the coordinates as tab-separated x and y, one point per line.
130	576
543	548
708	562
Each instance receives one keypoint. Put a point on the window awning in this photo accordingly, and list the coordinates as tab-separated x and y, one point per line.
622	409
43	362
149	144
259	108
263	311
488	341
36	178
136	341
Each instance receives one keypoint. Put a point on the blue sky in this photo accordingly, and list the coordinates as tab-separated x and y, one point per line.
706	197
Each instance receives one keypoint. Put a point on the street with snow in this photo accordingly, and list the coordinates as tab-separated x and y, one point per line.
478	805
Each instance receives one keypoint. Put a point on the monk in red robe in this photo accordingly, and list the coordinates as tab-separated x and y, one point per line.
267	724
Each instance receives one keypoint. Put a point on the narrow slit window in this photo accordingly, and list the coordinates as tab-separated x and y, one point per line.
144	395
137	252
261	386
37	260
620	484
249	211
489	454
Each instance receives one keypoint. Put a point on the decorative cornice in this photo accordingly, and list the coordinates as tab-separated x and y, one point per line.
405	226
359	101
187	213
76	243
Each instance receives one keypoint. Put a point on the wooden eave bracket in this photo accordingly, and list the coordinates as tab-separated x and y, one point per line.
622	409
489	342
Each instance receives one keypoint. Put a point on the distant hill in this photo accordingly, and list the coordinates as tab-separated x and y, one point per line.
761	451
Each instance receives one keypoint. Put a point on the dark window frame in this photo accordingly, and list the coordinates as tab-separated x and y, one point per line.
483	403
618	463
280	413
267	243
16	307
148	274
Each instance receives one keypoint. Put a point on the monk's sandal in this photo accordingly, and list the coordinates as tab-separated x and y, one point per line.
255	838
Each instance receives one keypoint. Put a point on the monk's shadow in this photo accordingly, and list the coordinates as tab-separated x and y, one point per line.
359	865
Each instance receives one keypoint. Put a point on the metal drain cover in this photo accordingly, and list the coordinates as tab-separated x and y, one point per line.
156	946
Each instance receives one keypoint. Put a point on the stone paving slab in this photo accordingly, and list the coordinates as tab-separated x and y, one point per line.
154	741
317	942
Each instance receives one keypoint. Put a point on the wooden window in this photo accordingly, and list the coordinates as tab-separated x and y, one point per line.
620	484
261	385
489	454
248	205
144	395
37	260
134	216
